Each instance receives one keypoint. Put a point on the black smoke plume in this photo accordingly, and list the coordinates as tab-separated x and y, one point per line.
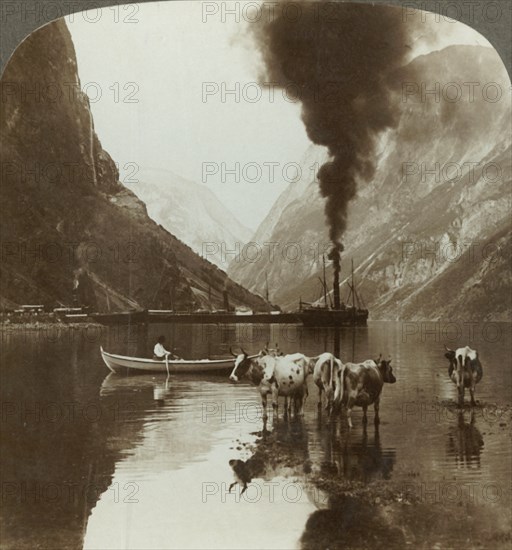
335	57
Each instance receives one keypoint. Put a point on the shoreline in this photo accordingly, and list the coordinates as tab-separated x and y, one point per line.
45	325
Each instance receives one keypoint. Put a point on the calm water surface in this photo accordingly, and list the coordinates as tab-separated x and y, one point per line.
96	460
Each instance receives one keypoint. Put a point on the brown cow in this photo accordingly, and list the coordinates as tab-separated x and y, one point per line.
362	385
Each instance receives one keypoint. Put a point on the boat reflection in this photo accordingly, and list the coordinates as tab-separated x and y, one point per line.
115	383
161	385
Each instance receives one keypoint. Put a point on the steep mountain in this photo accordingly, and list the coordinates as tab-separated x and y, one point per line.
68	226
190	211
430	233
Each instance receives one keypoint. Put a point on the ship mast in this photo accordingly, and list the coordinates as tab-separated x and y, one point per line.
353	295
353	287
325	282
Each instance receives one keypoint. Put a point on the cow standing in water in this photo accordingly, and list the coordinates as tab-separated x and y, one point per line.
361	385
327	377
278	375
465	371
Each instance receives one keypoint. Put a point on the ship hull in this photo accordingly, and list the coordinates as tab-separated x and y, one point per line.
334	318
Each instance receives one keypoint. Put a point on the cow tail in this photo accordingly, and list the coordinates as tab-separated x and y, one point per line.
343	377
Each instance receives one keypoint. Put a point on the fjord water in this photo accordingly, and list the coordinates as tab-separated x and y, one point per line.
97	460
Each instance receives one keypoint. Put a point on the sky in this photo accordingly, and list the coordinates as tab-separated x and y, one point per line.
158	77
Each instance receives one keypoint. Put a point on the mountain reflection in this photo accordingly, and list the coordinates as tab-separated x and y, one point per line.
60	446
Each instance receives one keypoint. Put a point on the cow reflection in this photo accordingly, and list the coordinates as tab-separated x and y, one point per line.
355	457
465	442
284	451
292	440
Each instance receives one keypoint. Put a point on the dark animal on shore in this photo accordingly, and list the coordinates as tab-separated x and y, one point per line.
326	375
465	370
241	473
281	375
362	385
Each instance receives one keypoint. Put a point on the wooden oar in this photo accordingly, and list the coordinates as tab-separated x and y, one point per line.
167	363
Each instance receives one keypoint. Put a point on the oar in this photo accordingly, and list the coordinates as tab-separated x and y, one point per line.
167	363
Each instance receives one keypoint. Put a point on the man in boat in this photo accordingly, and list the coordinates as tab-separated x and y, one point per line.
159	351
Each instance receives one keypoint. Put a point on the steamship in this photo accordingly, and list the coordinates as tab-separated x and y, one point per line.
337	314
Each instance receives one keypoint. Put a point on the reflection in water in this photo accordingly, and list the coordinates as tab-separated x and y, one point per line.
465	442
350	523
169	439
284	448
181	471
363	461
60	446
350	455
162	391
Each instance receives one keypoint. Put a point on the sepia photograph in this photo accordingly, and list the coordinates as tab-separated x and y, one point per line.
255	276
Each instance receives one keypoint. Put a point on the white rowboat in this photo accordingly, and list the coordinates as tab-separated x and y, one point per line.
116	363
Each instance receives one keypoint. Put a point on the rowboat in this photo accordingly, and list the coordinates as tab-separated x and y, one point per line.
116	363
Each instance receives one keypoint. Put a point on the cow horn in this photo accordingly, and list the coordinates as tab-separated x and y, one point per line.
243	351
231	351
266	345
447	348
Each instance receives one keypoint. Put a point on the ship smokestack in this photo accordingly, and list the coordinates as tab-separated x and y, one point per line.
226	299
335	256
342	60
336	292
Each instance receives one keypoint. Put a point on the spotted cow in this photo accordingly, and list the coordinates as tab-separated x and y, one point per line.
284	375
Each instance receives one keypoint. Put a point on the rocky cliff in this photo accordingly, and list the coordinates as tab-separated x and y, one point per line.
430	233
69	228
